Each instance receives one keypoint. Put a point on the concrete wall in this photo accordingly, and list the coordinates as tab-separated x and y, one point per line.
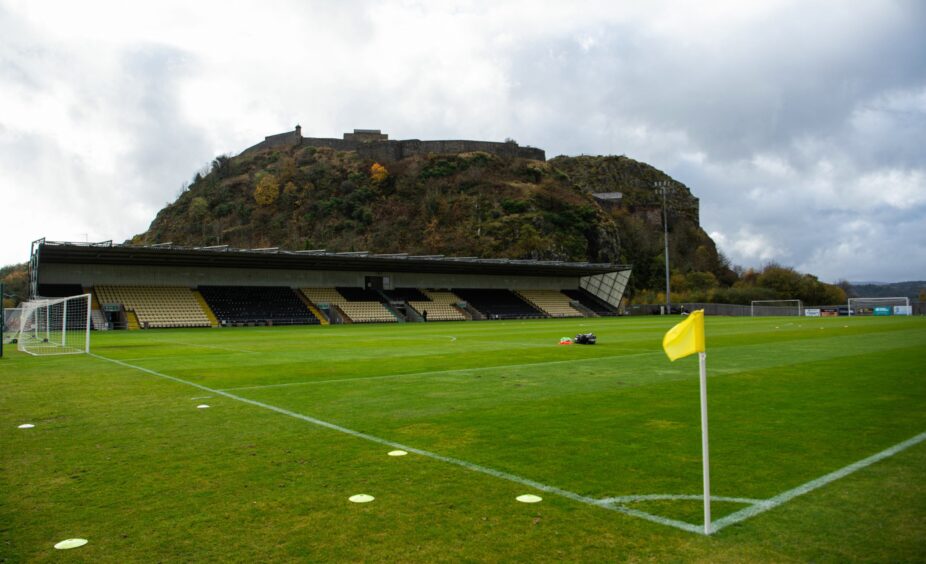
98	275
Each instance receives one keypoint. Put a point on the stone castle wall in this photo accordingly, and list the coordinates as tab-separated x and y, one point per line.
380	148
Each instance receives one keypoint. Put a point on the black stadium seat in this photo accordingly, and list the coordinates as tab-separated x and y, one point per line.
276	305
498	304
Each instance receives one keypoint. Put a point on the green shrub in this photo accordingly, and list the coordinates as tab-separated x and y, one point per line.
223	209
439	168
514	206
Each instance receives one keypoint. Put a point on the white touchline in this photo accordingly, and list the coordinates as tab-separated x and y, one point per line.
612	503
784	497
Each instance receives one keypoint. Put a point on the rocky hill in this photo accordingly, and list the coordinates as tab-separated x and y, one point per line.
465	204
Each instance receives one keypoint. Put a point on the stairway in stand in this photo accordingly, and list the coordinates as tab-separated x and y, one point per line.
213	320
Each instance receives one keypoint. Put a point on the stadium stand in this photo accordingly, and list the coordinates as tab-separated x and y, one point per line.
498	304
258	305
155	306
552	302
591	302
441	306
358	304
127	270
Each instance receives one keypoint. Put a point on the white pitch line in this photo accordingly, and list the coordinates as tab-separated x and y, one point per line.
456	461
188	344
679	497
787	496
434	372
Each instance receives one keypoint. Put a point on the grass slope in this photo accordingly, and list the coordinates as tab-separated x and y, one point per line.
122	457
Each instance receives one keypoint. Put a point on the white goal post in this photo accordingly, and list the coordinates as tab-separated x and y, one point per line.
899	305
776	307
55	326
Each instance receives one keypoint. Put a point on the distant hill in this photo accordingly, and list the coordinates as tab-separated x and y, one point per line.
598	209
913	290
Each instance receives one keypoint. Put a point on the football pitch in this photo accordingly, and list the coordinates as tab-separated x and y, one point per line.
817	434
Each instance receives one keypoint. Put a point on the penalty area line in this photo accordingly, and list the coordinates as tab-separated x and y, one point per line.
604	504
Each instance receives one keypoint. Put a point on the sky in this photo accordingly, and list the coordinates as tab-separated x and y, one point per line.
800	125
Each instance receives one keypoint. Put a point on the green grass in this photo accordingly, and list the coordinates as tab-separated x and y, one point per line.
123	458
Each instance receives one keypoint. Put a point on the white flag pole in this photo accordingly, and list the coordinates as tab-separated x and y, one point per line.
702	357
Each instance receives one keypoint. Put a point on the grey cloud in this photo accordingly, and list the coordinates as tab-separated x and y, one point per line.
801	133
833	101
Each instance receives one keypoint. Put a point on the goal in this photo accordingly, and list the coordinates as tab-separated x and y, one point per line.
760	308
55	326
880	306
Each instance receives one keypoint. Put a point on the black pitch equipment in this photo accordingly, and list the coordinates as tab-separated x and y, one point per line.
586	339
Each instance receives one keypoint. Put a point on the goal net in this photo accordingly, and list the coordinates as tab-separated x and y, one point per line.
10	324
880	306
759	308
55	326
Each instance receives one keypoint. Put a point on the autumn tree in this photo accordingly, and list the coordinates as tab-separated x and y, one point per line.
267	190
378	173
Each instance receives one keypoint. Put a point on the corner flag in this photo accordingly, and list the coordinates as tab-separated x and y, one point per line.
683	340
686	338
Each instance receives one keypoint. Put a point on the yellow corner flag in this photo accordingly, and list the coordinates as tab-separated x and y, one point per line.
685	338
